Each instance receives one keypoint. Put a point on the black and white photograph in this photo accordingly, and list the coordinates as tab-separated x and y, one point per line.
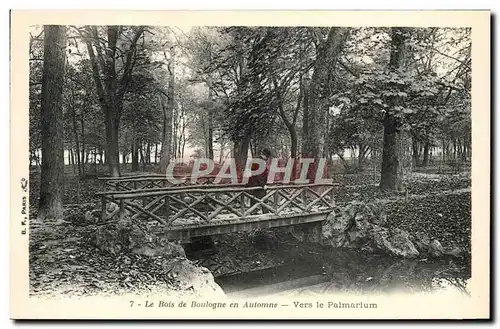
218	167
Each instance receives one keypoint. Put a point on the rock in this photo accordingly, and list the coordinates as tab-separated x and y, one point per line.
436	249
125	236
363	226
186	275
456	252
356	235
374	213
402	245
333	229
422	242
335	224
422	237
338	241
396	243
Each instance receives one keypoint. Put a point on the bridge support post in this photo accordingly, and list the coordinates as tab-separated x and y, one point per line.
242	204
304	200
122	207
166	207
276	201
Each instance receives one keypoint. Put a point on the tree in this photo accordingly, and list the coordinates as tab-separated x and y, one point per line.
284	57
390	179
328	51
52	174
84	127
112	49
168	110
442	57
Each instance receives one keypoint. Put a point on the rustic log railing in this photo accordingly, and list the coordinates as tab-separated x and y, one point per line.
144	182
196	206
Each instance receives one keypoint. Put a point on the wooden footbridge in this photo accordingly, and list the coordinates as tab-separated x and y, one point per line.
201	208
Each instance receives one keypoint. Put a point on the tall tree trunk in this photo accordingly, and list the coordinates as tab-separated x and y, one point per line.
221	153
294	140
415	151
291	124
156	153
425	161
109	86
390	161
167	137
327	55
175	127
95	159
148	153
183	142
141	153
112	124
52	133
72	158
179	144
82	161
210	134
205	134
305	118
390	174
168	110
135	156
328	52
181	131
240	151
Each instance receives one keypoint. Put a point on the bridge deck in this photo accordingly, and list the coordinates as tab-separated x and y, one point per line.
185	232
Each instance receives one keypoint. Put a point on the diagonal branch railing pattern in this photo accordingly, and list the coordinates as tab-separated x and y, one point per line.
206	204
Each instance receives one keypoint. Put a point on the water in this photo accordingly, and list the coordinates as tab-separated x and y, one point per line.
301	269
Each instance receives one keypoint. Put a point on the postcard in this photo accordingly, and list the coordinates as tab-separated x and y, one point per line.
250	164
